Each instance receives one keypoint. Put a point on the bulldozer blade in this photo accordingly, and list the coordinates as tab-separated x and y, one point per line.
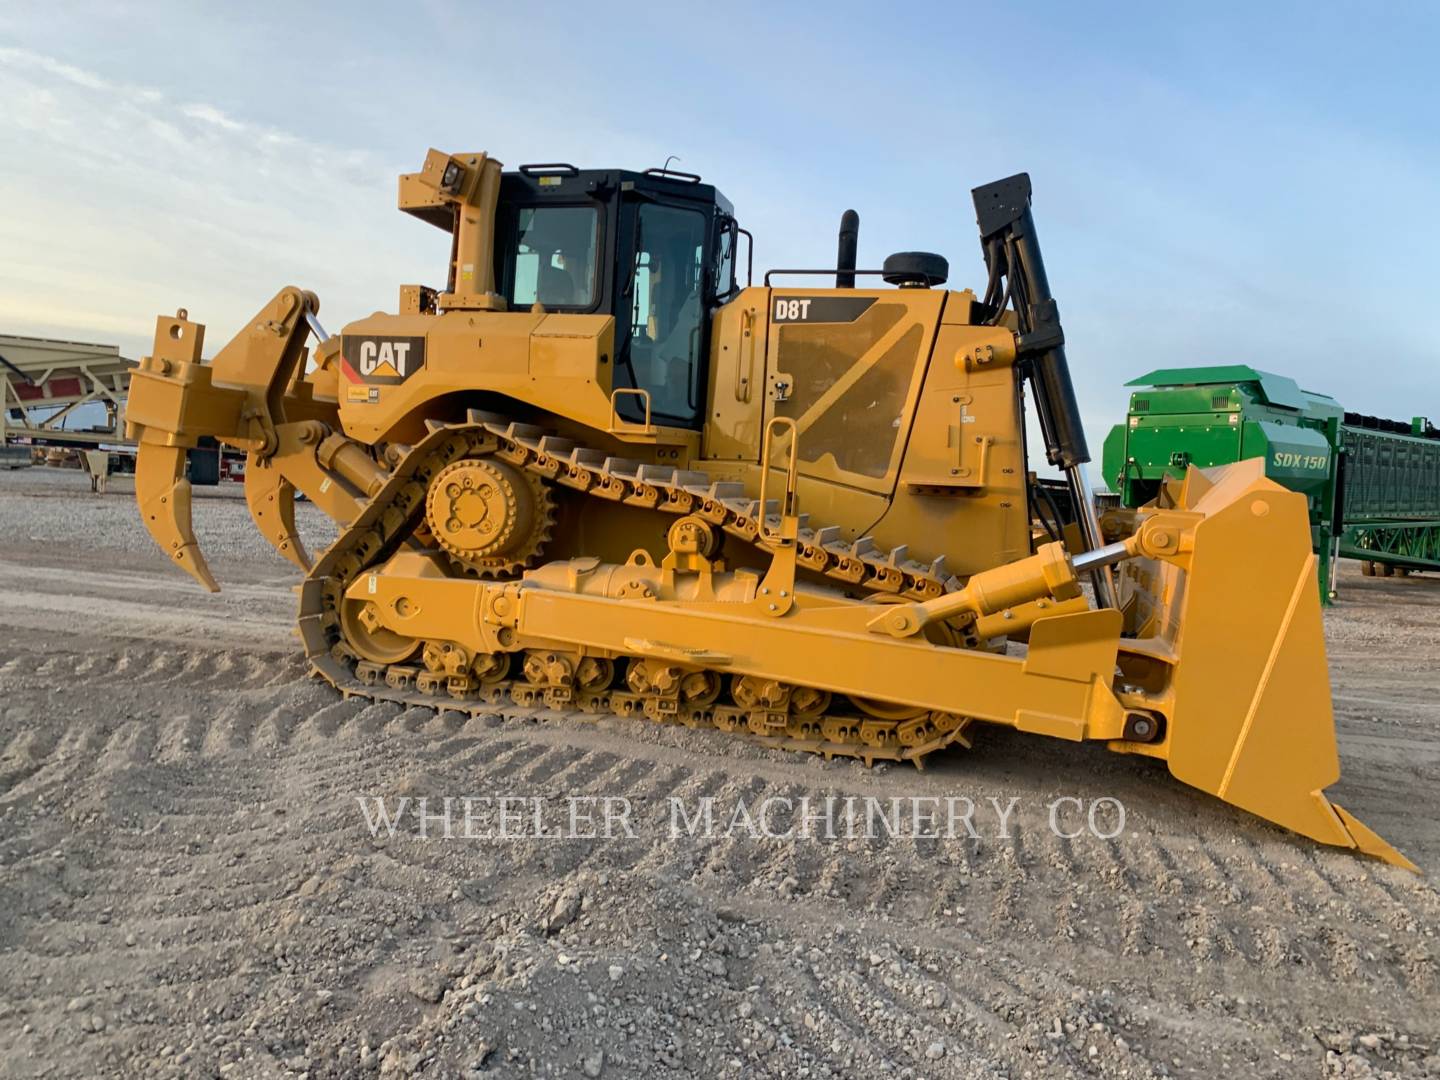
1368	841
1285	754
1252	721
271	499
163	494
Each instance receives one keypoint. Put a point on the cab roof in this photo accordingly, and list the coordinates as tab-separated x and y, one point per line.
561	180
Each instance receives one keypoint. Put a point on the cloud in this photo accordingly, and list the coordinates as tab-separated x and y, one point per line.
122	202
211	115
25	58
1192	209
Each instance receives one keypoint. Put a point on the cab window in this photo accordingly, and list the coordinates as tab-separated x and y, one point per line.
550	257
666	308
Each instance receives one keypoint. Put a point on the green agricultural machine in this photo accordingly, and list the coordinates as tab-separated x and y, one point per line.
1373	484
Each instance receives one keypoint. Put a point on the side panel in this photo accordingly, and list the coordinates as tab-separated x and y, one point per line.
901	439
962	482
1390	477
1163	445
1297	457
393	367
846	366
1112	461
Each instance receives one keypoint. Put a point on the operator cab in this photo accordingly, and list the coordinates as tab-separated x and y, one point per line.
653	249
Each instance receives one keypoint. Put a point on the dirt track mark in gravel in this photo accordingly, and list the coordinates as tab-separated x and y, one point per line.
1158	897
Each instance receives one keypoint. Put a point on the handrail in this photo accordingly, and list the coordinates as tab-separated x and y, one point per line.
792	473
835	272
745	351
688	177
642	393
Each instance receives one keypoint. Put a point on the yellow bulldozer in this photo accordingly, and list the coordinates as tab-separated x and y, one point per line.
574	478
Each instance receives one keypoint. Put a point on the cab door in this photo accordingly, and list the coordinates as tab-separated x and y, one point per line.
661	318
737	378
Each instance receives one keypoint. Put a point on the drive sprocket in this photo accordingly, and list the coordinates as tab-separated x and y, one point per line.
489	517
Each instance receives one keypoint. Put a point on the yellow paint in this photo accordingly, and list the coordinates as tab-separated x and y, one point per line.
909	432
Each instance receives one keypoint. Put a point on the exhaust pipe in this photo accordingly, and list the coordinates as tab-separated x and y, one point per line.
849	243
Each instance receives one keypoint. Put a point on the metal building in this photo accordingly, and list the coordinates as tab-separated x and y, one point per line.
45	381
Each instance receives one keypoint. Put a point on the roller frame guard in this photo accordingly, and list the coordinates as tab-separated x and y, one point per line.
528	520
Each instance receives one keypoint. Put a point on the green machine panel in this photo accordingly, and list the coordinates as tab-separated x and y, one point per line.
1373	484
1297	457
1206	416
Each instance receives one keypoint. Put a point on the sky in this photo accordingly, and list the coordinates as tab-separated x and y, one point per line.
1221	183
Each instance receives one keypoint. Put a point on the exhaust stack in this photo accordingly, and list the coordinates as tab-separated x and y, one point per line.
849	244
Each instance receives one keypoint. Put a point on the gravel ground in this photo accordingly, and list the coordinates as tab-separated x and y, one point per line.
189	887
